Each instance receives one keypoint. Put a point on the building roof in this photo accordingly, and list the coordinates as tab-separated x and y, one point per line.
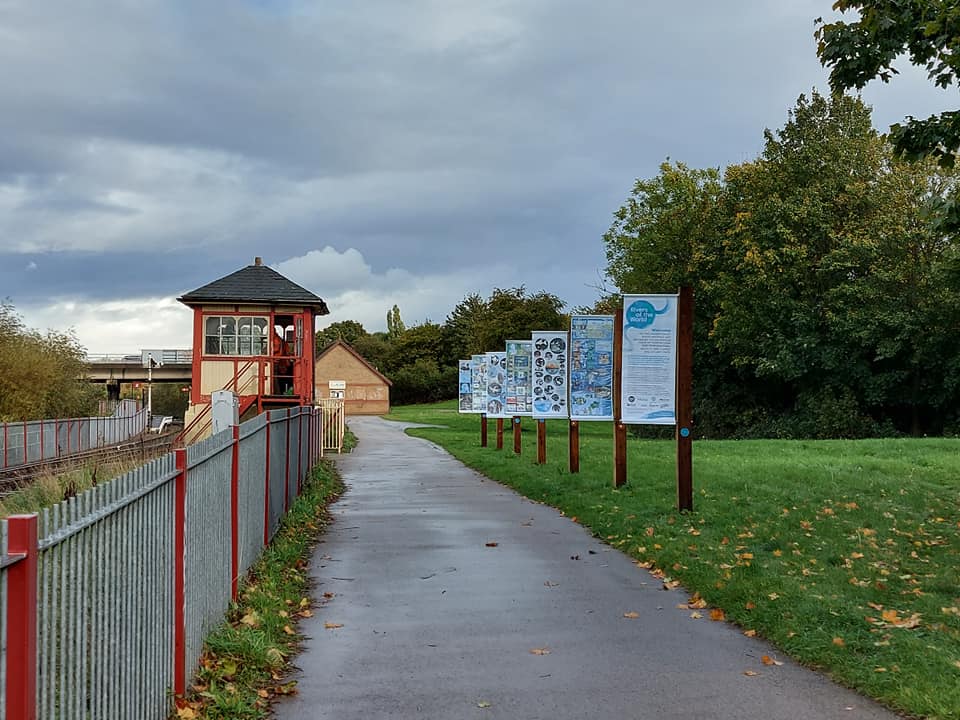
255	283
349	348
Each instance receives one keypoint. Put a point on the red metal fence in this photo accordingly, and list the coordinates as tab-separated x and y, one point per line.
105	599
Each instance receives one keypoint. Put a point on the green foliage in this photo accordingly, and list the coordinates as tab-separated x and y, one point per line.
513	314
825	292
347	330
423	381
41	376
395	326
460	328
928	32
169	399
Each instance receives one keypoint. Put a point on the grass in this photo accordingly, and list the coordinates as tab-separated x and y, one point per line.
246	659
844	554
53	485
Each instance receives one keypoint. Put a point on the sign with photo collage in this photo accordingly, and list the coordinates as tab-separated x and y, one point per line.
478	371
649	376
465	381
497	385
551	376
519	374
591	367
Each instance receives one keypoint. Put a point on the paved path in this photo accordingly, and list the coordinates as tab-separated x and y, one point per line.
436	624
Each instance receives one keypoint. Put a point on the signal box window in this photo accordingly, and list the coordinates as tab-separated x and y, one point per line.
233	335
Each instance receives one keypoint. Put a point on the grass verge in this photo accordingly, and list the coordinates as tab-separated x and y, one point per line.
845	554
245	660
56	484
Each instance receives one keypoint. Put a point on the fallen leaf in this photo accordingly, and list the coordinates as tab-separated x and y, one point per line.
773	596
750	633
750	673
632	615
283	614
483	704
332	626
695	615
539	651
328	595
305	613
251	619
717	615
263	693
288	630
186	713
838	641
766	660
492	544
749	606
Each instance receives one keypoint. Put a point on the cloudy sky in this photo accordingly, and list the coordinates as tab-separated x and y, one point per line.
375	151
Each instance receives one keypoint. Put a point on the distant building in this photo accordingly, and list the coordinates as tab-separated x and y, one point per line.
253	333
341	372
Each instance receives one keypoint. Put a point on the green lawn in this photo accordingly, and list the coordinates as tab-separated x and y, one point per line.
843	553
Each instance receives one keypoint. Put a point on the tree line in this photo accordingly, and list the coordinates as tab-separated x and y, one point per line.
421	361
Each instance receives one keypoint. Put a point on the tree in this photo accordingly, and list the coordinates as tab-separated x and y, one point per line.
395	326
420	342
41	376
347	330
928	31
513	314
825	300
460	327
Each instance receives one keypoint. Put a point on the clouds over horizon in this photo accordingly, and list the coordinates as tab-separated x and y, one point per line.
449	144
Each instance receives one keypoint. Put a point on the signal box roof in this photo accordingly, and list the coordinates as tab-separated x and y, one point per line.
258	284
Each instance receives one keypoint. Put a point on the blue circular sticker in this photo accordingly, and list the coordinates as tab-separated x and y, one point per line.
684	432
641	314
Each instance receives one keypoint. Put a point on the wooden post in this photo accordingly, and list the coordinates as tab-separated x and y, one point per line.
574	436
619	429
541	442
517	429
499	433
685	399
483	429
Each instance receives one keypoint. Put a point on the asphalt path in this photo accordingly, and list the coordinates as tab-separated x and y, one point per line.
443	584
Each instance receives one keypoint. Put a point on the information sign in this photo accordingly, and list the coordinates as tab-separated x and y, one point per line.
497	385
465	380
519	374
551	374
591	367
649	375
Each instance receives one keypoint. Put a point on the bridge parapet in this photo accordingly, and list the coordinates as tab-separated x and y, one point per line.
167	357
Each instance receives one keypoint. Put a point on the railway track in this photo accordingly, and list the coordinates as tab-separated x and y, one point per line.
144	448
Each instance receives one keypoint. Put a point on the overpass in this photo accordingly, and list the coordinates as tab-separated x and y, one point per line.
149	365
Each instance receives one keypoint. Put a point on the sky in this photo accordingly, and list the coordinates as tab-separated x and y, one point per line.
376	152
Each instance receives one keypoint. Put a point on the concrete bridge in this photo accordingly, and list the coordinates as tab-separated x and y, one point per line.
148	366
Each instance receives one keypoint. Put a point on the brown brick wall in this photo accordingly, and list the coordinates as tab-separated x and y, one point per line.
366	394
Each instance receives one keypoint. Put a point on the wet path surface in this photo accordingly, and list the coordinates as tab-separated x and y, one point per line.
436	624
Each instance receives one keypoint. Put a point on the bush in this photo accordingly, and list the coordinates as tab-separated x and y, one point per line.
423	382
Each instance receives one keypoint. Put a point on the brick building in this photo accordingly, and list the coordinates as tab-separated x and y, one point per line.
342	372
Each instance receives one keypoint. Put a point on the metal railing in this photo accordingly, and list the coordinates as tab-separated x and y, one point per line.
168	357
35	441
105	599
333	424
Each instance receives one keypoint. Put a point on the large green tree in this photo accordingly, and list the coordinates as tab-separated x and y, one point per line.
824	305
928	33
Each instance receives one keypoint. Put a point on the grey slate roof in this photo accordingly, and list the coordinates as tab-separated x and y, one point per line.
255	284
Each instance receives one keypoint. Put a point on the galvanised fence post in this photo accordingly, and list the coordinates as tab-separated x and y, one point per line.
234	512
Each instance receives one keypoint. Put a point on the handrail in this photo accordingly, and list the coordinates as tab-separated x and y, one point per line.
207	408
